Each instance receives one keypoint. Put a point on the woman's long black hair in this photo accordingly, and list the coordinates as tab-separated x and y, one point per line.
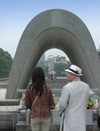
38	80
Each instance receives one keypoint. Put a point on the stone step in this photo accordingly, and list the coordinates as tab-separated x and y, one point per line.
9	102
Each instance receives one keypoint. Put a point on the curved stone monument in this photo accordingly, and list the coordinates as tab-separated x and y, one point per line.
54	29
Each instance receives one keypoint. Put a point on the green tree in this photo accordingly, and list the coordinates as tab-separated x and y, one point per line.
60	59
5	63
60	67
61	64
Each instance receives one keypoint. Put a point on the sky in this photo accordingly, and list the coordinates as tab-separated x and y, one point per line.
16	14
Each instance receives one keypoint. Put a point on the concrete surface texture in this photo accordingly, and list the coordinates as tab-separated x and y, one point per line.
21	126
54	29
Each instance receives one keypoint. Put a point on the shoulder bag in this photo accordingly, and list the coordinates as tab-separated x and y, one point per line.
28	119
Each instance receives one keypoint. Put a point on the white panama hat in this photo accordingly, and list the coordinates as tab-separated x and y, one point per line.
74	70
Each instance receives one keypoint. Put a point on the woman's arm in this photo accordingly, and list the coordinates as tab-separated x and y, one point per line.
27	99
51	100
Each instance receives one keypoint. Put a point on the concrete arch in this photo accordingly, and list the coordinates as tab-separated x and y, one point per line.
54	29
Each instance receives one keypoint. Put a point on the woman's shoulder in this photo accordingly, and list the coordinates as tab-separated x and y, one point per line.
29	87
48	87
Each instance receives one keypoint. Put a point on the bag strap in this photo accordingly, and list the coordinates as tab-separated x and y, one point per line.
47	93
34	101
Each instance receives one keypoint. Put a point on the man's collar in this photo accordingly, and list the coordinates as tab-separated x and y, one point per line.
76	79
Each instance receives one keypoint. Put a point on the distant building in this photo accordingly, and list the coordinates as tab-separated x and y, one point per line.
50	62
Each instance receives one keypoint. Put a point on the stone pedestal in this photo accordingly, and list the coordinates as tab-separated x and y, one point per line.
92	128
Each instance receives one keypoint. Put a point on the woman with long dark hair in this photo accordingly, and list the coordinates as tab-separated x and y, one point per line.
39	92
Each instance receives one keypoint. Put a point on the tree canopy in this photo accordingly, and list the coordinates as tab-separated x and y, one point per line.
61	64
5	63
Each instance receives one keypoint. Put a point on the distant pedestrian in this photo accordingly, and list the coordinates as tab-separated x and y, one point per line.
39	92
73	101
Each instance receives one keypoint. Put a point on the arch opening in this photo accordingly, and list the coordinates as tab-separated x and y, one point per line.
54	61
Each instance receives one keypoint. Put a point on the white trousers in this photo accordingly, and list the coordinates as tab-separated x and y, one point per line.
40	124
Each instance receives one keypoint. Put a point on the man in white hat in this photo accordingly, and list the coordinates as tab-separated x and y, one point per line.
73	101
